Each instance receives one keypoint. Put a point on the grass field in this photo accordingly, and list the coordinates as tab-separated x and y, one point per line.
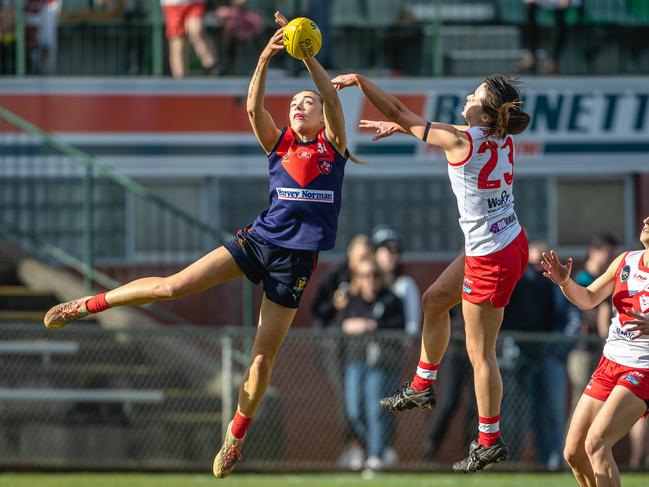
314	480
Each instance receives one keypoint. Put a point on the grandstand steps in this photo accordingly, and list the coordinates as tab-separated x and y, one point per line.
481	62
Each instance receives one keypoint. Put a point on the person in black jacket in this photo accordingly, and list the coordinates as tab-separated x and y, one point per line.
371	361
333	291
531	309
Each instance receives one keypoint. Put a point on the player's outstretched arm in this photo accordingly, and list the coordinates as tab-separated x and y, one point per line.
442	135
333	111
261	120
582	297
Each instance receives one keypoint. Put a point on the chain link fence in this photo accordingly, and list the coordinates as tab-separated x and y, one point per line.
85	397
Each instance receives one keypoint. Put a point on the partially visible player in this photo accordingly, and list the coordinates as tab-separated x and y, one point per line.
481	168
618	392
307	164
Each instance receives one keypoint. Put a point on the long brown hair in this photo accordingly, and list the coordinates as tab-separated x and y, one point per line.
502	104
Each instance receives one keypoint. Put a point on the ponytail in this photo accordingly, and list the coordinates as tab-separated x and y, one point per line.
502	105
510	119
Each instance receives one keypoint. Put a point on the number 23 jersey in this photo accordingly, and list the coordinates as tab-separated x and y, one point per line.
483	187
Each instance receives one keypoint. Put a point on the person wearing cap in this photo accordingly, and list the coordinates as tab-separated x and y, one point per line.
387	249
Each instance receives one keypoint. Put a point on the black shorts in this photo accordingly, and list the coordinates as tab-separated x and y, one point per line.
285	272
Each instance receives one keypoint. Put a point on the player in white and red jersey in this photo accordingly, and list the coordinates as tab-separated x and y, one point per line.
618	392
481	168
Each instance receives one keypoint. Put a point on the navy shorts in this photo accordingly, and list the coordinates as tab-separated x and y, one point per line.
285	272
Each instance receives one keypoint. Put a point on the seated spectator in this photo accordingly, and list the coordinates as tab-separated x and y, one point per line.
184	20
371	363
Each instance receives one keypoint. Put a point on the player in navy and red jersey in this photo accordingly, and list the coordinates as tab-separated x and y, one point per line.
481	169
618	392
306	164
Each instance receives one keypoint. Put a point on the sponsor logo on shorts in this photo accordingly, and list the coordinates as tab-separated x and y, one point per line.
300	284
310	195
240	240
466	286
502	224
624	275
633	380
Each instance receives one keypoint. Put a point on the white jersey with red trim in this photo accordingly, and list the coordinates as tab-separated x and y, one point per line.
483	185
631	292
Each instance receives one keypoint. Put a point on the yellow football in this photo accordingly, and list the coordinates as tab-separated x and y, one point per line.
302	38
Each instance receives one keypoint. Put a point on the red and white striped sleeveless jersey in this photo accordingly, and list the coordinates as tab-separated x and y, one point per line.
631	292
483	186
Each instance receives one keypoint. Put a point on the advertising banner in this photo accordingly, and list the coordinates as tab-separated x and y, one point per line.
597	125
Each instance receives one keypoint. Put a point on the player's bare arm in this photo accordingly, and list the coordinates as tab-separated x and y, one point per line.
582	297
447	137
333	110
260	119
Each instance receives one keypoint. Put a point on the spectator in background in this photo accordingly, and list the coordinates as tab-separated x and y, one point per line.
371	363
583	358
530	309
7	37
387	251
639	444
184	20
332	297
333	292
554	392
532	34
241	26
320	13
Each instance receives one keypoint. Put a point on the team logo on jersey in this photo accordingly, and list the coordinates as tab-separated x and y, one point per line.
304	154
300	284
624	275
324	166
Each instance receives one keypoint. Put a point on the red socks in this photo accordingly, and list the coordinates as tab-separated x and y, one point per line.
488	430
425	376
240	425
97	303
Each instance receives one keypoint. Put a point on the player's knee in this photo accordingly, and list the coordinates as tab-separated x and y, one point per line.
435	301
572	455
594	445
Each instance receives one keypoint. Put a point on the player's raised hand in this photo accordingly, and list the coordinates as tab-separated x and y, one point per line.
344	81
383	129
275	44
280	19
557	272
639	325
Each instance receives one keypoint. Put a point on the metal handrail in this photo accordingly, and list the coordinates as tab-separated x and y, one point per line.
91	168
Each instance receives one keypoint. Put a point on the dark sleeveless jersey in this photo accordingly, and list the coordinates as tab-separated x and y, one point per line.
306	181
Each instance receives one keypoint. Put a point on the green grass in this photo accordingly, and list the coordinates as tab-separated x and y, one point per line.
312	480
